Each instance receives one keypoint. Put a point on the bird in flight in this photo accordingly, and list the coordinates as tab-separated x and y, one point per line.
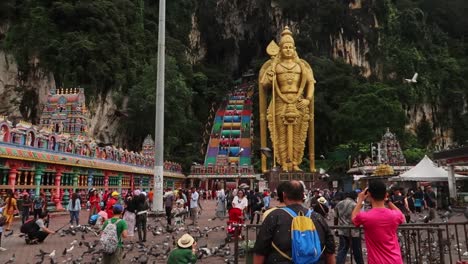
414	79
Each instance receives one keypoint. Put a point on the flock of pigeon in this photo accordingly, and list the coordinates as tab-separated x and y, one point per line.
85	247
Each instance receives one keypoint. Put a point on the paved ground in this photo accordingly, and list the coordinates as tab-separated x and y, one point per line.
160	242
211	233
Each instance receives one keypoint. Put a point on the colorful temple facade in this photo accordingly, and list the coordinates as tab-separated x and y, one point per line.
56	157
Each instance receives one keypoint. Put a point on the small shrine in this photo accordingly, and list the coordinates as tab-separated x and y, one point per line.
390	150
65	112
148	147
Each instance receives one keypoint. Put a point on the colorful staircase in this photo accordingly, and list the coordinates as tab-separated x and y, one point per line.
230	139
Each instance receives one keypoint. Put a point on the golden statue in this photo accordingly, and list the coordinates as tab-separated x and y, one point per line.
290	114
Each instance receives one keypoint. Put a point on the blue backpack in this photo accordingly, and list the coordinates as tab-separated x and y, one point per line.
305	241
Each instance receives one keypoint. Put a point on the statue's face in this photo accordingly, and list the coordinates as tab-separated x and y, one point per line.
288	50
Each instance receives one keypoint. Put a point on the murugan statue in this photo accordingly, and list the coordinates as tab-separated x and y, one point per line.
290	113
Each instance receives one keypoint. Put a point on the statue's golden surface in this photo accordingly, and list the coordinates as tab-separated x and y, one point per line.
290	113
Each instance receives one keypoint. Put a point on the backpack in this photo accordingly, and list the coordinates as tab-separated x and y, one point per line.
109	238
92	220
29	227
38	203
305	241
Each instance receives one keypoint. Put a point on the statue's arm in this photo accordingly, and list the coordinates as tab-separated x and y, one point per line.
310	89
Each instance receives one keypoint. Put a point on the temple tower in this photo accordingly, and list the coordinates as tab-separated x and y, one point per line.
65	112
390	150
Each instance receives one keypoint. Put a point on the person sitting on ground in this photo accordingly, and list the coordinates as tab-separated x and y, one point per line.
37	231
185	251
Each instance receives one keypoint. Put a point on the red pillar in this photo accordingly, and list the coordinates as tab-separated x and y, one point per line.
106	180
12	177
58	203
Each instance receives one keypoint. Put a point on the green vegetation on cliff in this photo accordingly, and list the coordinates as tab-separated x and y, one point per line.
111	45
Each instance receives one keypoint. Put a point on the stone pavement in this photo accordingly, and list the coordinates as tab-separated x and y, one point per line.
27	253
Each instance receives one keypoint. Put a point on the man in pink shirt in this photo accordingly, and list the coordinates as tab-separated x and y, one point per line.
380	225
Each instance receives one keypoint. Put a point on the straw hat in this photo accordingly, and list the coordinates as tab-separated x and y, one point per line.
185	241
115	194
322	200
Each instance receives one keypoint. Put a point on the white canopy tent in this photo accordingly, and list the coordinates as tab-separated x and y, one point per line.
426	171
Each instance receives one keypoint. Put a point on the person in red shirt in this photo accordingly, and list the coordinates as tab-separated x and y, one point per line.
150	198
110	204
94	202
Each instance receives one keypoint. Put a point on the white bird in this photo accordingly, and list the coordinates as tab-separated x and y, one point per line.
52	254
70	249
74	242
414	79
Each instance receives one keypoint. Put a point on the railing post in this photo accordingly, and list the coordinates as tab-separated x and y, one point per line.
236	244
441	245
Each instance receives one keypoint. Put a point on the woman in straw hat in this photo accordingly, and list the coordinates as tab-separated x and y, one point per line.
185	251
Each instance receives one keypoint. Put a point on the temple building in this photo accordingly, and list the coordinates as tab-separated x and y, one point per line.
65	112
57	157
390	150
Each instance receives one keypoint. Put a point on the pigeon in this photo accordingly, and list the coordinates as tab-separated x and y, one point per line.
412	80
52	254
11	260
70	249
9	234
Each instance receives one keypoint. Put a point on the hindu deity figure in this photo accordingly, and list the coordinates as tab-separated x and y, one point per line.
2	133
289	115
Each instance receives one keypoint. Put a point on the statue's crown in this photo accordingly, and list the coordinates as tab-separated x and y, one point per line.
286	36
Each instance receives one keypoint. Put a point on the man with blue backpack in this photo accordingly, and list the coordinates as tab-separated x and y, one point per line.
294	234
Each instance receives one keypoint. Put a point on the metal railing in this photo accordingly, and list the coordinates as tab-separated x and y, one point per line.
436	243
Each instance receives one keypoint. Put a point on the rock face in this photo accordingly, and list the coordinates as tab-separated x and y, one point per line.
105	120
223	32
22	95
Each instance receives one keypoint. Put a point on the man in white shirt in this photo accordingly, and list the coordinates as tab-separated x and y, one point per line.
194	206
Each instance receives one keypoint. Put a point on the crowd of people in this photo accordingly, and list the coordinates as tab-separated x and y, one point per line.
377	209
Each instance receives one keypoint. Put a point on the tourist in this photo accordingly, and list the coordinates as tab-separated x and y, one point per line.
321	207
26	207
129	213
142	208
10	209
419	200
74	207
276	228
194	197
257	206
220	204
266	200
94	202
37	231
38	205
122	229
110	204
431	202
380	224
240	201
185	251
348	237
168	204
150	198
314	198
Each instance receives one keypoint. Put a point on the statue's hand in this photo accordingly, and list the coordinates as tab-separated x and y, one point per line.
303	103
